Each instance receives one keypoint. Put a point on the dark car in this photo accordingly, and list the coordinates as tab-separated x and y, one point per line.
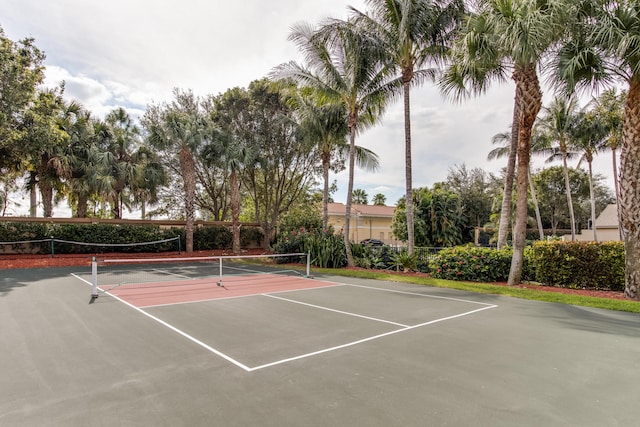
372	242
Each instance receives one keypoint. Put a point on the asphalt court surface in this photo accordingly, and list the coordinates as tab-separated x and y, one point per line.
358	353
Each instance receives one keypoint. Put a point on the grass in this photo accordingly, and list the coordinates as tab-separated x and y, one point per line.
487	288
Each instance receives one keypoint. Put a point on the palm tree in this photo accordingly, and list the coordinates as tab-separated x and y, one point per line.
589	137
603	49
415	34
178	129
344	66
379	199
501	37
504	138
123	157
360	196
326	125
609	109
555	125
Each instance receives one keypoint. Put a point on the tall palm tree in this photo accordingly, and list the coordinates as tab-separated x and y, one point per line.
326	125
604	49
589	136
124	157
178	129
505	150
415	34
502	37
609	109
555	125
344	65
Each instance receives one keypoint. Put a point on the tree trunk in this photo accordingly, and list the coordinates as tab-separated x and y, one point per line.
616	185
408	168
83	203
535	205
592	199
46	193
567	184
188	168
629	204
529	98
325	191
505	211
347	215
235	212
33	195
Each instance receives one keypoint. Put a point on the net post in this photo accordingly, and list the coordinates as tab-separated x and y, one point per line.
308	264
220	280
52	247
94	278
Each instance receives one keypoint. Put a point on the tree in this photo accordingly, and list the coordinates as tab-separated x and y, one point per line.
344	66
178	129
360	197
45	141
555	126
326	126
476	191
439	219
415	34
538	145
379	199
589	137
608	108
21	71
604	48
499	37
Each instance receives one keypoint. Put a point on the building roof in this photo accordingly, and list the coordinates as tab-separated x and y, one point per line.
362	210
608	218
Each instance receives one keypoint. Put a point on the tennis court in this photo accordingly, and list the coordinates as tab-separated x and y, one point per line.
173	344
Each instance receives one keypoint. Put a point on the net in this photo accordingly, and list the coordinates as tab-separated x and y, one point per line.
109	274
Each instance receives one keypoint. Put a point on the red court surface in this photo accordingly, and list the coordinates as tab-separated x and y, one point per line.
184	291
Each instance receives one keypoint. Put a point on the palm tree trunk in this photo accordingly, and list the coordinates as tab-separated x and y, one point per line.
187	167
46	193
408	168
630	190
83	203
347	214
33	195
535	205
235	211
592	198
325	192
529	98
567	185
616	186
505	211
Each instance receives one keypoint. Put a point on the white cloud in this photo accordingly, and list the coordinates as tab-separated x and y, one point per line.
132	53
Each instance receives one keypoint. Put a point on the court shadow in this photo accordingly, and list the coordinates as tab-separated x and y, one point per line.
7	284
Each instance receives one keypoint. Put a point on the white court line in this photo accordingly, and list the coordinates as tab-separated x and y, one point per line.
335	311
326	350
375	337
421	295
242	296
173	328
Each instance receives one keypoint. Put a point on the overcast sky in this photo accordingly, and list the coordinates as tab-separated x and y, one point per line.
131	53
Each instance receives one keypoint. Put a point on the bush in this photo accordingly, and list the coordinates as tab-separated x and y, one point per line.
326	249
472	264
580	264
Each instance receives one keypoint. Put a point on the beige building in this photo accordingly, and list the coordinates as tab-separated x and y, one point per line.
367	222
606	227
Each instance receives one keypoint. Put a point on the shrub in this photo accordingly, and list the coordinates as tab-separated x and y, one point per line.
579	264
326	249
472	264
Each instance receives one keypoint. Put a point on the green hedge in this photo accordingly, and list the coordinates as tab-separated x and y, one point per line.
205	238
472	264
579	264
